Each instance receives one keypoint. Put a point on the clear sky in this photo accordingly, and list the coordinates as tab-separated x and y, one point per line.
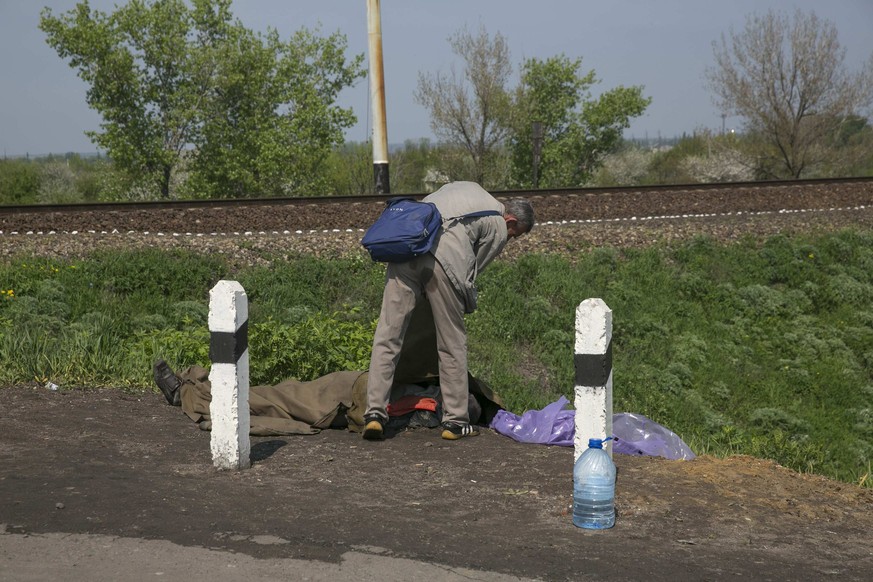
664	45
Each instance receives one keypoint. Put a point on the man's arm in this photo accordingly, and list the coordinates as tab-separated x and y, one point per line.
490	240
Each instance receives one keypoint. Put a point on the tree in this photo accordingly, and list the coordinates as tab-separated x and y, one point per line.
170	81
411	164
667	165
787	79
471	110
273	122
629	166
578	130
854	140
477	116
724	160
350	170
19	182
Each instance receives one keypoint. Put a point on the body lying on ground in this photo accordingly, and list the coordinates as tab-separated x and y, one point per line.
338	399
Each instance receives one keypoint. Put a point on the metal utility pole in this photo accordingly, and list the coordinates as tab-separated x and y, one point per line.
377	98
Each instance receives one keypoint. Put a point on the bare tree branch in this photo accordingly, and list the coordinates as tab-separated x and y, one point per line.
787	78
470	111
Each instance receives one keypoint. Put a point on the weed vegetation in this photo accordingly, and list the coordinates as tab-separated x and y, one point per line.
751	348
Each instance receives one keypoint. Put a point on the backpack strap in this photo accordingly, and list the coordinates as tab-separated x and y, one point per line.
481	213
476	214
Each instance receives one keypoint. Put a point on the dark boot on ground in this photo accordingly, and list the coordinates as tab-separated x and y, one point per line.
168	383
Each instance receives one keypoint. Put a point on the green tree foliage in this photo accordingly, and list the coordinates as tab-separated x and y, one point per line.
853	141
19	182
351	168
58	184
274	105
578	129
412	165
787	78
52	179
140	65
187	87
485	126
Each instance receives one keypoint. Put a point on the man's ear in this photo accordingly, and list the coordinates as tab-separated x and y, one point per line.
512	228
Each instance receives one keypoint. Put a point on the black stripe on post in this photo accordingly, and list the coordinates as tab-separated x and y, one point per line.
226	347
593	369
380	174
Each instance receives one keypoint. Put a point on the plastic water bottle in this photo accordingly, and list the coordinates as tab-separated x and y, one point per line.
594	488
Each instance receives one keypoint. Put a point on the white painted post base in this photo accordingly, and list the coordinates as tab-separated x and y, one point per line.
229	376
593	359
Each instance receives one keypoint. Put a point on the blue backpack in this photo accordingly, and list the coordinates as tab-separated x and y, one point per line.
406	229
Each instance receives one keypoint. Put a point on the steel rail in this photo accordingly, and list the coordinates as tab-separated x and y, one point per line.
381	198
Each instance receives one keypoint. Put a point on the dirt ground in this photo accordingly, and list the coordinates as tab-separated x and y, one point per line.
128	465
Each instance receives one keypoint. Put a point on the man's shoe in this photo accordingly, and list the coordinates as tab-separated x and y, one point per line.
168	382
457	430
373	427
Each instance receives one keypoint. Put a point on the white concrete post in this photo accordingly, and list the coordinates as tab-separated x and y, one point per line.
593	359
229	375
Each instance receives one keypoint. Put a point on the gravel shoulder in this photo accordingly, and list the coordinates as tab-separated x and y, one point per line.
568	239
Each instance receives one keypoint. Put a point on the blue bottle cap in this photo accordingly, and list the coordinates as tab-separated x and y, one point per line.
597	443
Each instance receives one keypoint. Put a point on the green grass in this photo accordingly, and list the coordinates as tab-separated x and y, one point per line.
761	349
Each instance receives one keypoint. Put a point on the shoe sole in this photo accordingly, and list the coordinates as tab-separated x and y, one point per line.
373	431
450	436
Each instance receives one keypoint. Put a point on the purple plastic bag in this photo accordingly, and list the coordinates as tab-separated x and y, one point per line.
637	435
634	434
550	426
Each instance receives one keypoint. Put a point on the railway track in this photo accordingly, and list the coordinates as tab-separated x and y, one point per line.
720	206
381	198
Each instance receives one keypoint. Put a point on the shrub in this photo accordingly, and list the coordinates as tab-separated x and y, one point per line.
309	349
19	182
738	348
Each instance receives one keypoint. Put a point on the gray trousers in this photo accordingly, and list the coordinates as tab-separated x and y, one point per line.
407	283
